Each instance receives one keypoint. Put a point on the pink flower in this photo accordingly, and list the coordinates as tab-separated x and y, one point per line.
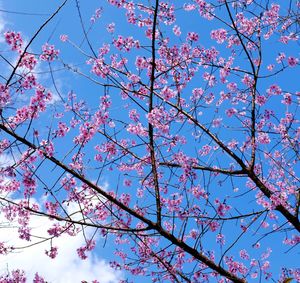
216	123
14	39
141	63
4	95
192	36
16	276
38	279
48	53
222	207
233	144
189	7
137	129
220	239
176	30
244	254
247	80
198	192
159	118
211	79
97	15
271	16
63	129
63	37
205	150
230	112
263	138
48	146
90	245
29	61
260	100
52	253
134	78
126	43
287	99
274	90
280	57
29	81
111	27
213	225
292	61
219	35
127	183
167	93
133	115
4	249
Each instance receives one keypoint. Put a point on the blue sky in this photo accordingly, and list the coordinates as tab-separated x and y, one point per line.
67	22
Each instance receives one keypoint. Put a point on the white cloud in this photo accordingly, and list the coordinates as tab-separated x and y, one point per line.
66	267
2	25
6	160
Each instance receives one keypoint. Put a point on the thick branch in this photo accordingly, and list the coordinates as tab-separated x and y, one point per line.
206	168
152	225
150	127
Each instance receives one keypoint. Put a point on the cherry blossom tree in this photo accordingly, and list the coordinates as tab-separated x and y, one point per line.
190	115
